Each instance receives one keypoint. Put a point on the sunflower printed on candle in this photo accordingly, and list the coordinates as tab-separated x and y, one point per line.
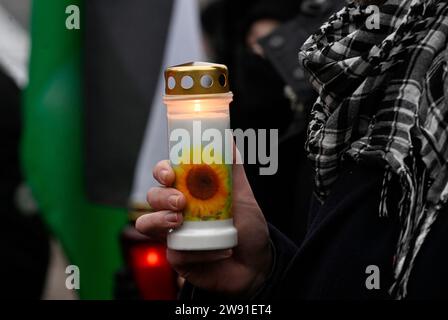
207	189
206	183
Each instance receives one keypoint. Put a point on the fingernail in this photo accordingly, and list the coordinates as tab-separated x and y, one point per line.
227	253
163	175
171	217
173	200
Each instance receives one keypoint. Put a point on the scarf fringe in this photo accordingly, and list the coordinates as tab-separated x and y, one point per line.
417	218
384	190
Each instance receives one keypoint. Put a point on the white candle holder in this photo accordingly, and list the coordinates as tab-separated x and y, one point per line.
197	98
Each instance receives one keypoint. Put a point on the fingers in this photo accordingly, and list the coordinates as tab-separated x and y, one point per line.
169	201
179	259
158	223
163	173
166	199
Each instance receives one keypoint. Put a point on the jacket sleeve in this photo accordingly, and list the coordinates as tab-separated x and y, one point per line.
283	252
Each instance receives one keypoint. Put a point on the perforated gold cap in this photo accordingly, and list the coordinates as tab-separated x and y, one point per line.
196	78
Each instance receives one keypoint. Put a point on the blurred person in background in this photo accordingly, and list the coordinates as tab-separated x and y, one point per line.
258	40
24	242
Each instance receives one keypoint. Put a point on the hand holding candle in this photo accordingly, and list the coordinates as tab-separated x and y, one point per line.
238	271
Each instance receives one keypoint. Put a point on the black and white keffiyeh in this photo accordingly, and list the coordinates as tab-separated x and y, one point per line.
382	99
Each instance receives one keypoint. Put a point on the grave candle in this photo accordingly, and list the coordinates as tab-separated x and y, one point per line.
197	97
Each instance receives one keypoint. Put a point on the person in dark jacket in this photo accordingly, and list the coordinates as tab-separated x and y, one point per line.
377	142
271	92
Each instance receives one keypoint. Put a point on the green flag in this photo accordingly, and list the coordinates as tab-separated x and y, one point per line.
53	150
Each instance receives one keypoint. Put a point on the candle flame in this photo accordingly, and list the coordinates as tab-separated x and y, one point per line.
197	107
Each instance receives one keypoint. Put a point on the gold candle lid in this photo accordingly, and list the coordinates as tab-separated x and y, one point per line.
196	78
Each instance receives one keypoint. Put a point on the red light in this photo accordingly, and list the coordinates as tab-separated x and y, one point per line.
152	258
154	276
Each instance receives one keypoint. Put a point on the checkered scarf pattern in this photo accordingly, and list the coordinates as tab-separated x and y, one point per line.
381	100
